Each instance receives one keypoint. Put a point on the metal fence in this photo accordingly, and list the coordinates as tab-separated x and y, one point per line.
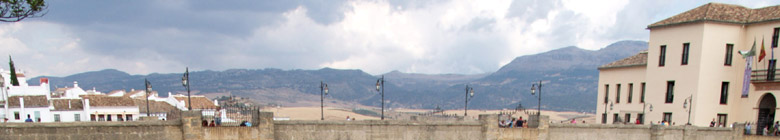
228	115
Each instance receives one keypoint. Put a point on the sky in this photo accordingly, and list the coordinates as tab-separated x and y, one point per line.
376	36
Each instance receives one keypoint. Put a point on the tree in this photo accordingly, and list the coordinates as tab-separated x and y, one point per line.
14	80
16	10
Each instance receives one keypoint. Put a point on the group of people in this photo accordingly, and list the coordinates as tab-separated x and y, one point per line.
769	130
512	123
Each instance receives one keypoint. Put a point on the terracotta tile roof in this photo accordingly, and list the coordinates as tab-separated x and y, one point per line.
102	100
29	101
62	104
199	102
639	59
154	106
719	12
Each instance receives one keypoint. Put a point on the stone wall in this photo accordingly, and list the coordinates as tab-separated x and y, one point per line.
265	128
162	130
377	130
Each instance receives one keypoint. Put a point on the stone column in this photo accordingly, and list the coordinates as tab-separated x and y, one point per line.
264	121
738	131
689	132
489	126
656	132
191	125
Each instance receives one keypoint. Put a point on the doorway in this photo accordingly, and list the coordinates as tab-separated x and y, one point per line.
766	112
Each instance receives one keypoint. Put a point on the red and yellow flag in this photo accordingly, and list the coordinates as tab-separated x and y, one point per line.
763	52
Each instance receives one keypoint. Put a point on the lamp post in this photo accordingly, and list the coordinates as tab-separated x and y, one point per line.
323	92
643	111
468	97
380	87
148	90
533	90
611	106
185	81
685	106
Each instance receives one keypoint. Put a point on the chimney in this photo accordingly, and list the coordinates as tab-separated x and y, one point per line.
86	105
215	102
44	81
75	84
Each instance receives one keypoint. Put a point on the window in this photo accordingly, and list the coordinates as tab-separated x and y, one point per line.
129	117
108	117
615	118
775	36
628	118
92	117
729	54
617	94
724	92
669	91
101	117
77	117
686	48
16	115
662	57
604	118
56	117
606	93
119	117
722	118
630	91
640	118
642	98
668	117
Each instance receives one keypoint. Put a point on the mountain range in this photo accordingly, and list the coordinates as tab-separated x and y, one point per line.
569	79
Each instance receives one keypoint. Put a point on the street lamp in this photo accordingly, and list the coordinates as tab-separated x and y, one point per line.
185	81
611	106
685	106
533	90
468	97
643	111
323	92
380	84
148	90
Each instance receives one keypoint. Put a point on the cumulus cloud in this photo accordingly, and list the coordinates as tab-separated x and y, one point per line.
377	36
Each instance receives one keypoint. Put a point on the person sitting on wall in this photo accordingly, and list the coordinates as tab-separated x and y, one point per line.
204	123
28	119
212	124
502	124
250	124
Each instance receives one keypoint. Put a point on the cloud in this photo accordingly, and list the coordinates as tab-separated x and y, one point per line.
377	36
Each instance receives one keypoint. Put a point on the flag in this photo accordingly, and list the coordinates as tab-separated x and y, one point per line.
763	52
751	52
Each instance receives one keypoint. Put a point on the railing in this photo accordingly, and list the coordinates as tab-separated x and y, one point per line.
229	115
764	76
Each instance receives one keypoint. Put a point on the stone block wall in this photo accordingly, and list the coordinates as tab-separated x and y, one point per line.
162	130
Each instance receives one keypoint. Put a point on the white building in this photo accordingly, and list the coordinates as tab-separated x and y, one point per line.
693	72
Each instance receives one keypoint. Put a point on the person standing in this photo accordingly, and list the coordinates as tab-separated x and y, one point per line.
712	123
28	119
747	128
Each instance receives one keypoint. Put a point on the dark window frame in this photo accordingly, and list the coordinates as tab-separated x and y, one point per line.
669	92
17	116
615	117
667	119
56	117
617	94
722	119
724	92
775	37
640	117
627	118
606	93
77	117
662	56
686	53
604	118
630	92
642	98
729	54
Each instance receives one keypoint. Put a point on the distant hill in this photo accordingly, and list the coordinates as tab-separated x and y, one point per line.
569	74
